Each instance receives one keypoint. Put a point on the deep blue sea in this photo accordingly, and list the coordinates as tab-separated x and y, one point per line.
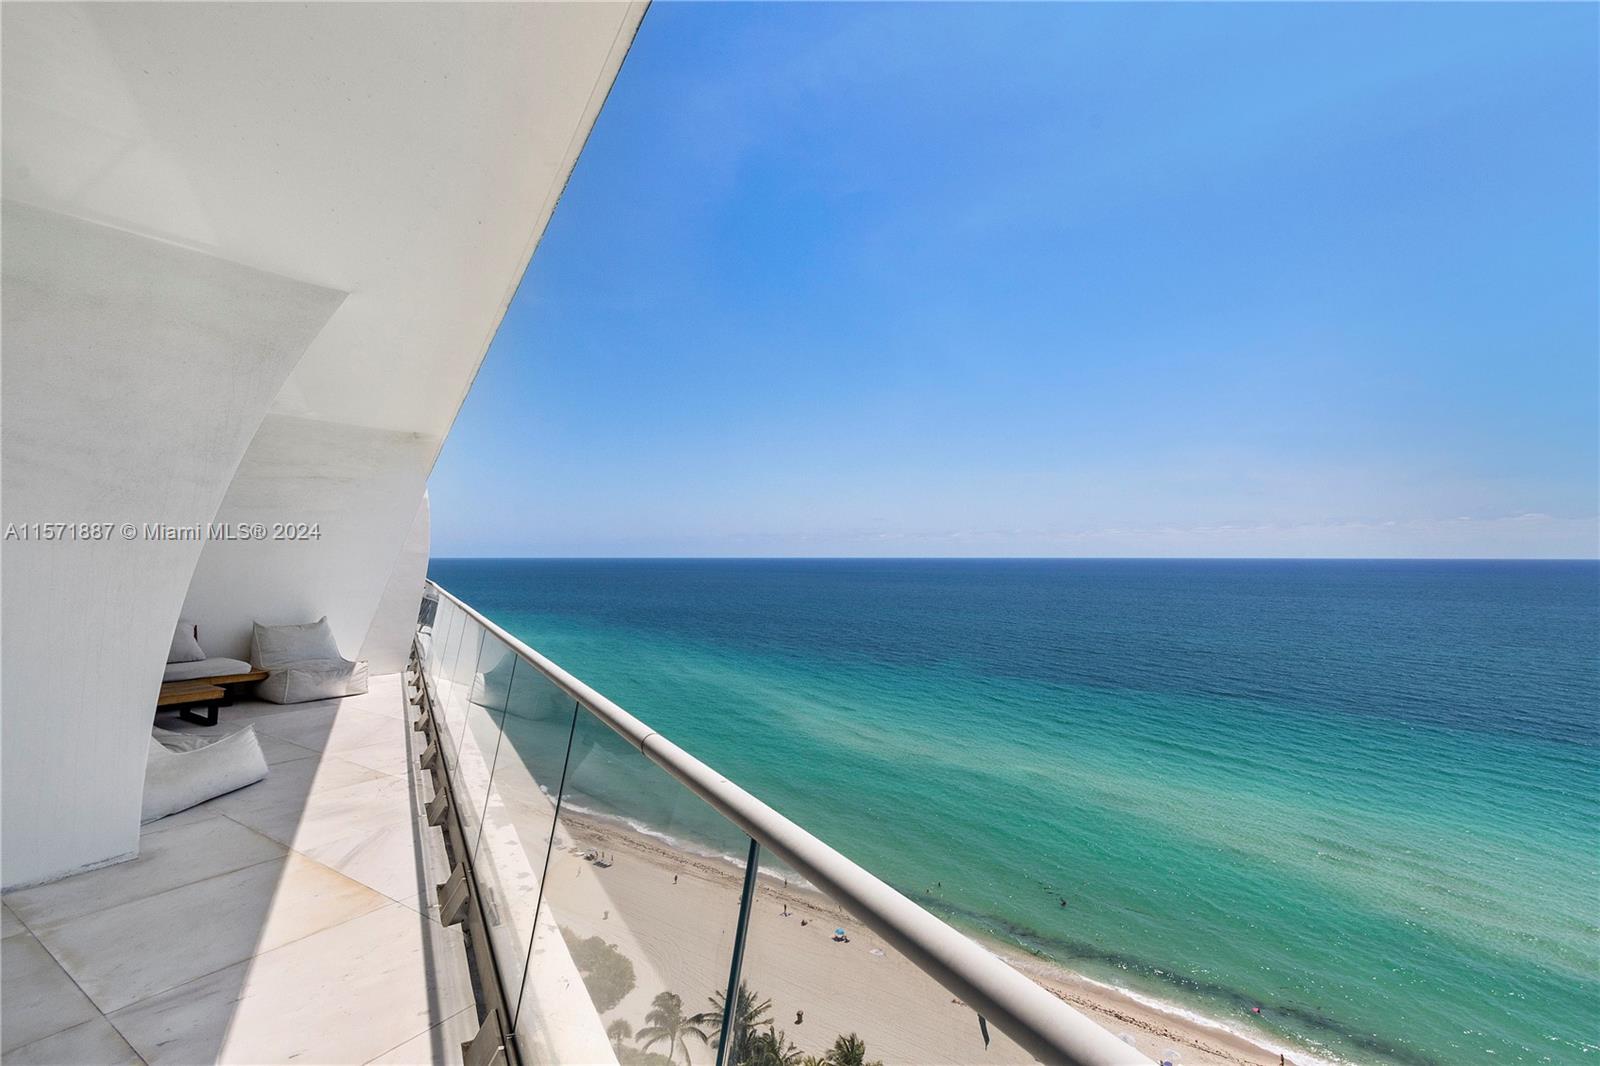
1364	796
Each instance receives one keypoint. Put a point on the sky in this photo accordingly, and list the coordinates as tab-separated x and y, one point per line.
1060	280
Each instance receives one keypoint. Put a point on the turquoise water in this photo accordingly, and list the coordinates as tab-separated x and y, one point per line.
1359	795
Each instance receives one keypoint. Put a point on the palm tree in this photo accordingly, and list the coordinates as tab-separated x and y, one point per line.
749	1015
848	1051
666	1022
771	1047
619	1031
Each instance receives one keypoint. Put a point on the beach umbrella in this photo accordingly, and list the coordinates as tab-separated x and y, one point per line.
838	932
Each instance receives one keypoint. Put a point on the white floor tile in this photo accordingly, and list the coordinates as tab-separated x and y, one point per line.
10	924
276	750
94	1043
344	995
37	998
439	1046
125	954
390	756
290	791
402	861
173	821
197	848
385	696
343	730
326	813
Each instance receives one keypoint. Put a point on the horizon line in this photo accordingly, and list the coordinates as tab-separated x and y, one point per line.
1031	558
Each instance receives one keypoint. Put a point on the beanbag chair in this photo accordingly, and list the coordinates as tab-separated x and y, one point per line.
183	769
303	663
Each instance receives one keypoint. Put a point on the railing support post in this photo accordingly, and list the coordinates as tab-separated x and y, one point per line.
730	1002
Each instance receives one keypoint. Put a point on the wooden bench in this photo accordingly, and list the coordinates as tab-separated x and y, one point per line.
224	680
208	692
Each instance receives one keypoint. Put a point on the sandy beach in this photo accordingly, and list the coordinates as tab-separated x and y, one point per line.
672	913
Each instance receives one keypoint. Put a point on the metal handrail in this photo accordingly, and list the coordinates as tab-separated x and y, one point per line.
1049	1029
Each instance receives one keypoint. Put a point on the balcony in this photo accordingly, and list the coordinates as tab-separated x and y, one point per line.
485	861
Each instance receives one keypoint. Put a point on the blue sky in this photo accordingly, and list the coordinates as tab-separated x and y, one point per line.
851	279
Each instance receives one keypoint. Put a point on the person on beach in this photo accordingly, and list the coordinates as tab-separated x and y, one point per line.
674	878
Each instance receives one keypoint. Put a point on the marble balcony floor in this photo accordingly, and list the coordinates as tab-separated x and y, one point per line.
291	921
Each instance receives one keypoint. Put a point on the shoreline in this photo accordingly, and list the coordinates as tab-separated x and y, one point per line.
1151	1025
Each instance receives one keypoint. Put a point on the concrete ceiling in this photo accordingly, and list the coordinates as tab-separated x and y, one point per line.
408	154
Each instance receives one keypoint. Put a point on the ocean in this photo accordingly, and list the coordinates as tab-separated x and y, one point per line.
1363	796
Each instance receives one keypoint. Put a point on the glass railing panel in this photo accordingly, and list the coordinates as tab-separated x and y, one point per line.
640	907
816	975
455	694
444	622
476	741
427	611
433	637
511	843
450	623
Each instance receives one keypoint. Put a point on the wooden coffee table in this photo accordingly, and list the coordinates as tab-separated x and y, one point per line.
188	694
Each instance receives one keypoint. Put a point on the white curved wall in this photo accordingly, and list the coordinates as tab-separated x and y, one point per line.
408	155
135	374
388	642
358	487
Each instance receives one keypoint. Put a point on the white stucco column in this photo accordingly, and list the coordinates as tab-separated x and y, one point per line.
136	373
388	640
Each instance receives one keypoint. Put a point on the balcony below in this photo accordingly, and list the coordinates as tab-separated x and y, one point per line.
292	920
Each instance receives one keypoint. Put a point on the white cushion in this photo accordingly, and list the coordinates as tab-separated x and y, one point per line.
175	742
314	679
217	667
185	644
177	780
281	645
